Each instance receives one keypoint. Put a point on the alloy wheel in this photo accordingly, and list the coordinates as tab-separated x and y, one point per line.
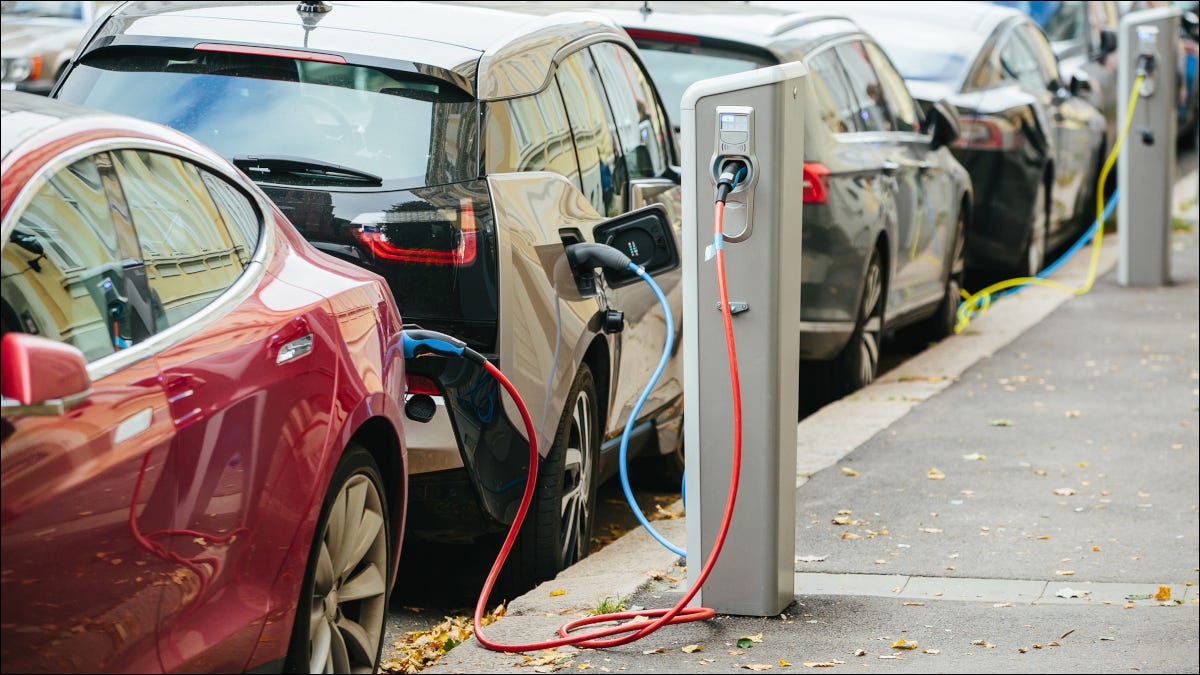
872	313
1036	253
349	584
578	471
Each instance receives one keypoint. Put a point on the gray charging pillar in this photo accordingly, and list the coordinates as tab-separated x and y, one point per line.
1146	165
757	117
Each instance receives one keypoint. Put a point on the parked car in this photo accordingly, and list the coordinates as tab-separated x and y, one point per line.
885	202
1083	36
1034	146
204	466
458	167
38	39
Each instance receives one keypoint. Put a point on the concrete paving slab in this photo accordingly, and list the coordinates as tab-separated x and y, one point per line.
976	590
886	585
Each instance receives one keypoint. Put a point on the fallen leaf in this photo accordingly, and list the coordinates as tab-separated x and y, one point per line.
934	474
1000	423
914	604
890	656
1003	604
1065	573
1071	413
860	652
1108	639
1070	631
931	651
1070	593
688	649
810	558
783	664
932	530
842	520
904	644
822	664
848	471
1095	548
557	592
1043	537
756	639
850	535
1163	594
974	456
660	650
735	652
757	666
1064	492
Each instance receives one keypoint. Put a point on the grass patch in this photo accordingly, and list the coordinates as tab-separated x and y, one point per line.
609	605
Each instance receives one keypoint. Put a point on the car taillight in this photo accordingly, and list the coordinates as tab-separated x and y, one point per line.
661	36
987	133
815	190
433	236
419	384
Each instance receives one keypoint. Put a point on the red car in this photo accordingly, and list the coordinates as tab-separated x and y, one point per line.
203	464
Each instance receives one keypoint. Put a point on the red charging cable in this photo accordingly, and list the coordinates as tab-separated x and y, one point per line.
680	613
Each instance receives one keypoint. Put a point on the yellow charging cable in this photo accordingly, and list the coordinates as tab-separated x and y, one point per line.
976	303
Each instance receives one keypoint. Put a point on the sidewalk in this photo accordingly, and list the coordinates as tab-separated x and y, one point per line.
1066	434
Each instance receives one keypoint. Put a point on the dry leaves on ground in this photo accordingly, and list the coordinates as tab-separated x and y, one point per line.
420	649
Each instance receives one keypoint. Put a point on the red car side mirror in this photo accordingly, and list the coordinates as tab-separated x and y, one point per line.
41	376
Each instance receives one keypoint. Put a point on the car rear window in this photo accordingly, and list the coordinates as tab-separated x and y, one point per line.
397	126
675	67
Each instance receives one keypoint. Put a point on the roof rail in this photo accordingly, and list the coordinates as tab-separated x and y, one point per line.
793	21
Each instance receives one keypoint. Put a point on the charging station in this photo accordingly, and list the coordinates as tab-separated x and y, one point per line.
756	118
1148	44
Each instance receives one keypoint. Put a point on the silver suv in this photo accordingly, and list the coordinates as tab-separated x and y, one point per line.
454	150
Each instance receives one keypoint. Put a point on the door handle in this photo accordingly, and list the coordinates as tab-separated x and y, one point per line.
924	167
890	168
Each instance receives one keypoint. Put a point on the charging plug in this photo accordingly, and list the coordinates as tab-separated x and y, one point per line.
732	172
587	256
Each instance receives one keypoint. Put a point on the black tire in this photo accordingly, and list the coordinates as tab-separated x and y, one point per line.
941	324
340	619
1034	256
557	531
858	363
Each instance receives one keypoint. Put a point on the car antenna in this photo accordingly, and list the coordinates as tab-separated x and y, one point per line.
645	10
311	13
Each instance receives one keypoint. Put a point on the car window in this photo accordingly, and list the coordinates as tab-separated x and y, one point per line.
595	134
190	256
531	133
641	124
864	82
831	93
905	114
238	212
403	127
1047	61
64	274
1069	22
676	66
1019	63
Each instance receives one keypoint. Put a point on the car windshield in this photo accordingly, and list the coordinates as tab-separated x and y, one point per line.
45	10
675	69
392	125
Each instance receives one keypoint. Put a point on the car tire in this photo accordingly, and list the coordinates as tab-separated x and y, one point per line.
1034	256
557	531
942	323
858	363
340	619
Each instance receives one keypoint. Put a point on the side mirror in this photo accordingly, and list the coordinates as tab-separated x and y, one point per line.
645	235
944	119
1108	42
41	376
1191	24
1081	84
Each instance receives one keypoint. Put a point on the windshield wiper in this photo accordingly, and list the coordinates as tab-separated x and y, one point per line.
264	165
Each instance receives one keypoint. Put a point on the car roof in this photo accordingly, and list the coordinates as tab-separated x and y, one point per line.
779	30
978	18
489	51
24	115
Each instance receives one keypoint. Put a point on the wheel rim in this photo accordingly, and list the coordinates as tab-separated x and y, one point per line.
1037	236
349	588
872	324
579	456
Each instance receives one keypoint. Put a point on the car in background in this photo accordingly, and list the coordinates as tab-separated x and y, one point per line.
458	164
38	38
204	466
1084	37
886	205
1034	146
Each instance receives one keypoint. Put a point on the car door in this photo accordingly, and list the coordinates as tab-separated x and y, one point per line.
249	388
933	238
910	277
644	144
83	567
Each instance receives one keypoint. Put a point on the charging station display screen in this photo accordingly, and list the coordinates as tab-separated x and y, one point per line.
732	122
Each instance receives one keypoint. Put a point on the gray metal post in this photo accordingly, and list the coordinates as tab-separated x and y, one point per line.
1147	161
762	116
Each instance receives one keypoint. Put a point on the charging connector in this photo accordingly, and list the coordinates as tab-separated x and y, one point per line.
732	172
